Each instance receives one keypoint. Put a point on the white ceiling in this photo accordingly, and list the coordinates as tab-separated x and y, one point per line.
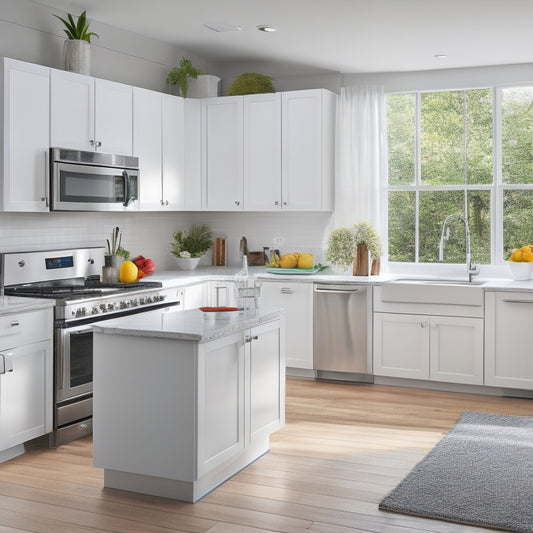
345	36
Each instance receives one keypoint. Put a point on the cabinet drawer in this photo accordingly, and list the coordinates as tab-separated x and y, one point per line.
24	328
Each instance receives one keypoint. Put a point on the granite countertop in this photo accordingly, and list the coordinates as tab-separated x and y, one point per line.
191	325
15	304
172	278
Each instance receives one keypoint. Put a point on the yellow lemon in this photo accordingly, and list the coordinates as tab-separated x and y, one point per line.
288	261
305	261
128	272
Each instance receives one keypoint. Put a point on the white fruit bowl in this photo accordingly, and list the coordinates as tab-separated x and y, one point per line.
520	270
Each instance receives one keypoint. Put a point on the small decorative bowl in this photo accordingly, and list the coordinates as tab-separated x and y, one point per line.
520	270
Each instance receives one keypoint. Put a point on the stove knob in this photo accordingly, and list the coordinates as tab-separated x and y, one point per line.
94	310
102	307
162	297
141	301
135	302
110	307
123	304
149	300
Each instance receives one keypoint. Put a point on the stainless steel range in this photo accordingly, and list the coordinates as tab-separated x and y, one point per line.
72	279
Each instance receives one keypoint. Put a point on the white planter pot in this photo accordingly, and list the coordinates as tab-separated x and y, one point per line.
187	263
205	86
77	56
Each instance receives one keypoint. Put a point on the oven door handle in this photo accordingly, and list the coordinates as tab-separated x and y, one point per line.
127	189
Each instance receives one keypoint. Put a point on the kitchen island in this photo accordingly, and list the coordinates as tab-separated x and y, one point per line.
183	401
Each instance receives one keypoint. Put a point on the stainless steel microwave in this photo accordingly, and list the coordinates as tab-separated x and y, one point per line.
92	181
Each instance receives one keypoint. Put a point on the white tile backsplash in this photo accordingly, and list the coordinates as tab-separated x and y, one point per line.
150	233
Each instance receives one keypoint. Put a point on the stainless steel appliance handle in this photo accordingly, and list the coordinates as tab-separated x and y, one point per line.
518	301
127	189
337	291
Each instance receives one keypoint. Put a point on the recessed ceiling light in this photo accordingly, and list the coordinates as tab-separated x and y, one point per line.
441	56
222	26
266	28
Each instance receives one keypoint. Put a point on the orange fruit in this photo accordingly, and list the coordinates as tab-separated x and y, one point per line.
128	272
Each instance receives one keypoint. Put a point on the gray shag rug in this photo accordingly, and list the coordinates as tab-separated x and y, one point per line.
480	473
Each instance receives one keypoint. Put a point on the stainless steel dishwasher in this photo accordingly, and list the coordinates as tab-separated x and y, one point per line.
341	332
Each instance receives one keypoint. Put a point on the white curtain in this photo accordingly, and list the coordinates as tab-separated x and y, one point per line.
362	156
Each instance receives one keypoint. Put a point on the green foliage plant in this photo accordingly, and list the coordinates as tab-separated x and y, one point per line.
251	83
77	30
192	243
180	75
342	244
340	251
365	233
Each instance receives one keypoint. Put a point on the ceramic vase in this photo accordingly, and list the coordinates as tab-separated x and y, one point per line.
77	56
187	263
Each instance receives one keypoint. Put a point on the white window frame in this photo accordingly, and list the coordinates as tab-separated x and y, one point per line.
496	189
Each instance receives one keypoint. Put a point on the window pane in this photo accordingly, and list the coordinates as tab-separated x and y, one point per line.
402	226
517	135
517	216
442	138
434	207
401	138
479	136
479	223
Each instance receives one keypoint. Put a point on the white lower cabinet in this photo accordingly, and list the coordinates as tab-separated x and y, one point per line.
205	409
508	321
194	296
297	300
437	348
26	379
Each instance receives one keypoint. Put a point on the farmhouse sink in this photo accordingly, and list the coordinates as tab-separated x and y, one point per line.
439	281
433	291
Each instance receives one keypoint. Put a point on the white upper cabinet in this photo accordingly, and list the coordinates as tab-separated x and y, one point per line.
262	152
147	142
193	154
90	114
308	150
269	152
173	152
25	140
71	110
158	143
222	155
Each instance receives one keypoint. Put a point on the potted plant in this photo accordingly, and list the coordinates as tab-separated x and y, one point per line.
188	247
77	47
180	75
347	246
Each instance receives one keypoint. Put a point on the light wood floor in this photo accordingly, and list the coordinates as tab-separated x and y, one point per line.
343	448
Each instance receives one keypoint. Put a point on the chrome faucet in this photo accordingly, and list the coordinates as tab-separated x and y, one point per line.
471	269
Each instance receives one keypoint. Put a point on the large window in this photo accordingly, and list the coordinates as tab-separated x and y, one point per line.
468	152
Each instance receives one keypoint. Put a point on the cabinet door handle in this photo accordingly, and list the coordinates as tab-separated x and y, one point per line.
237	202
6	363
250	338
15	323
276	202
286	290
423	324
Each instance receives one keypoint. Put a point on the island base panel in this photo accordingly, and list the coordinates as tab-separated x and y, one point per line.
176	489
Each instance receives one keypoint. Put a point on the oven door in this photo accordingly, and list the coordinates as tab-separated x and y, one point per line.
93	188
74	362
